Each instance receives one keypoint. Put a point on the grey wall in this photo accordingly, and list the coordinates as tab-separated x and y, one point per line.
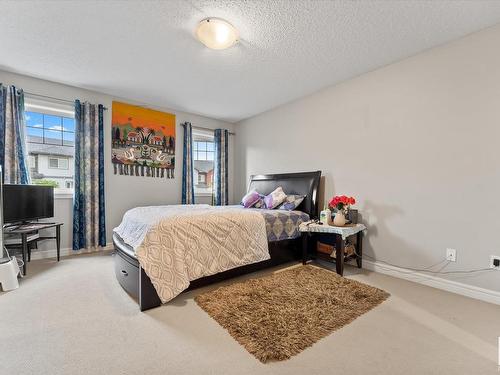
415	142
122	192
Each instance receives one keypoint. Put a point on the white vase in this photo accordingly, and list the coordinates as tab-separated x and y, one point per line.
339	219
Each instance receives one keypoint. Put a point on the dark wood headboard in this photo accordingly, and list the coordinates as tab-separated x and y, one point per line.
303	183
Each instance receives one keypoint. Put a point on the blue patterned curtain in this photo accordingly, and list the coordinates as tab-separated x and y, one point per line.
89	228
220	195
13	153
187	165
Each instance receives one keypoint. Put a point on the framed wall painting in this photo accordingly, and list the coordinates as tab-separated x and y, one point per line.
143	141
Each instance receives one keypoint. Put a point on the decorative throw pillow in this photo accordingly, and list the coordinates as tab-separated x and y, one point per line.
275	198
250	199
292	202
260	203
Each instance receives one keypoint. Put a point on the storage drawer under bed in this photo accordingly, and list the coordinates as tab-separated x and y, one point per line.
127	275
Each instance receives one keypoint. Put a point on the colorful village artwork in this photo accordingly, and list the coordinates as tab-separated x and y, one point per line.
143	141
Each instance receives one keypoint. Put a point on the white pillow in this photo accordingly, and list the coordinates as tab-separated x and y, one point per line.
275	198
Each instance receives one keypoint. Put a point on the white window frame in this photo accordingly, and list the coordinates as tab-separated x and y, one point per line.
59	159
200	135
196	151
50	163
34	104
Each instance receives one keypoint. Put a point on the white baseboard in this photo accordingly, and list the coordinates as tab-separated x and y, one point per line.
52	253
471	291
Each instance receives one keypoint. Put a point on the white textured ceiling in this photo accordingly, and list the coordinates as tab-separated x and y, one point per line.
145	50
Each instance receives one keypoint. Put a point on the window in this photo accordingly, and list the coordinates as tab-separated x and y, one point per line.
58	163
53	163
203	162
50	132
50	129
203	150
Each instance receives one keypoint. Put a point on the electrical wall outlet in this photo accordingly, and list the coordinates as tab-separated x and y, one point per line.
495	262
451	255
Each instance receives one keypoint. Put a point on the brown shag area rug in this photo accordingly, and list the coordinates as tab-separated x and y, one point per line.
277	316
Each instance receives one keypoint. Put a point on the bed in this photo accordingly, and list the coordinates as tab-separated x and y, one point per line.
283	241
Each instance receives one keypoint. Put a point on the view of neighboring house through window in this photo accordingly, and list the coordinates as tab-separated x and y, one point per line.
50	136
203	163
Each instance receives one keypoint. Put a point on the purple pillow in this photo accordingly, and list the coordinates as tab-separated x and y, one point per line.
250	199
275	198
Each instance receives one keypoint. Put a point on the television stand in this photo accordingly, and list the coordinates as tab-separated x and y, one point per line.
25	229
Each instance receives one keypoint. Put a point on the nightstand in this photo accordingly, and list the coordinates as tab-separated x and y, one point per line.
339	236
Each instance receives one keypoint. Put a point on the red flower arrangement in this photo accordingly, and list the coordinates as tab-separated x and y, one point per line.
341	202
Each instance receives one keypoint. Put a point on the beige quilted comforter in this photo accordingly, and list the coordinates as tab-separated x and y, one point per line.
200	242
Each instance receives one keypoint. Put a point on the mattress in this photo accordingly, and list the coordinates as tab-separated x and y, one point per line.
280	224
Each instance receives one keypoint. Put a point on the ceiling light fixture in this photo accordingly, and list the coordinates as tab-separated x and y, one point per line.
216	33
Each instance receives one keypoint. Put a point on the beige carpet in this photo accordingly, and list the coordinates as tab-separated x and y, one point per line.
277	316
73	318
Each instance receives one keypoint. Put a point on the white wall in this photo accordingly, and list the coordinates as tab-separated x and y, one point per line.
122	192
415	142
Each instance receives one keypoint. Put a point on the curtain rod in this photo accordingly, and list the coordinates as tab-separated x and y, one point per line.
202	128
105	108
53	98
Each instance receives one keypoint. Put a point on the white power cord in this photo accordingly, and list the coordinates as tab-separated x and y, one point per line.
427	269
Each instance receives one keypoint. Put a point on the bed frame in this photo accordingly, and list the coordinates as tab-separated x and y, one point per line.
134	280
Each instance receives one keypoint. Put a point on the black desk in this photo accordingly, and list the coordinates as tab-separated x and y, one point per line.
25	229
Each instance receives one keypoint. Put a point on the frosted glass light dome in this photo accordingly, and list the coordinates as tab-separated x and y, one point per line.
216	33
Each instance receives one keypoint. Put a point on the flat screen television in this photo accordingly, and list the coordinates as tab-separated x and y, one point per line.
27	202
